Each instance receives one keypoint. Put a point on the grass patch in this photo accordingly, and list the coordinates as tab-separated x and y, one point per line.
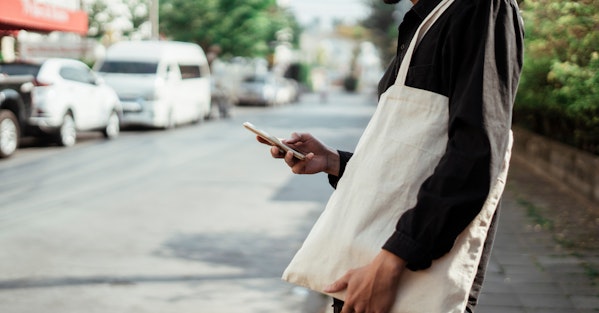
536	215
592	272
541	222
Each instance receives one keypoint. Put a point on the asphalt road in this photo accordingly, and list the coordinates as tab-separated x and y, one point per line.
194	219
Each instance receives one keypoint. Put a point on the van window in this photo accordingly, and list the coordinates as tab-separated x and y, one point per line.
128	67
190	71
19	69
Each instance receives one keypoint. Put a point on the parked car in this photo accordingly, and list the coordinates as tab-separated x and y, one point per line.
67	97
160	83
264	89
15	109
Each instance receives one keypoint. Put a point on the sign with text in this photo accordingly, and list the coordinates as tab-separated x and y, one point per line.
36	16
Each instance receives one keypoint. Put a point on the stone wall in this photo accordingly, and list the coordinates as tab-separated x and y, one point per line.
575	170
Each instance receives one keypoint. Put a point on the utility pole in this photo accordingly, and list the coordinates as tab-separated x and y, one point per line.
154	19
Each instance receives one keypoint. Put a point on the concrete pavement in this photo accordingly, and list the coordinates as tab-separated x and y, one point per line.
532	270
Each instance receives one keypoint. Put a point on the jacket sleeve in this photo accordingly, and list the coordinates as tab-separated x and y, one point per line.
482	78
344	157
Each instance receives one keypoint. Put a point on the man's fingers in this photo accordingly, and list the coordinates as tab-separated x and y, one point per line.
261	140
293	138
339	285
276	152
290	159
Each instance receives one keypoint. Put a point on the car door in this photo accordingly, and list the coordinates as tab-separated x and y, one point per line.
84	97
172	93
195	91
191	91
102	104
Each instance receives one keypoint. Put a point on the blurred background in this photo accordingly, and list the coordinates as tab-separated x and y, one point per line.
343	43
164	203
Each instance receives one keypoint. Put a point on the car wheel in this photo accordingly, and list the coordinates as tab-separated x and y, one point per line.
113	127
208	115
270	103
67	134
9	133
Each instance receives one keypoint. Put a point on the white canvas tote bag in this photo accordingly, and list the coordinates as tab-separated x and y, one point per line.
401	146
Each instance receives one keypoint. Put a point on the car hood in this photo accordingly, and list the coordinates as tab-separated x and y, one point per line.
131	87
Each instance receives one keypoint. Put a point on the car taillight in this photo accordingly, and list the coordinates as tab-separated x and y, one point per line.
38	83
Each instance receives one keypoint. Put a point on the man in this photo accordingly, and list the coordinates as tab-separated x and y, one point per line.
472	57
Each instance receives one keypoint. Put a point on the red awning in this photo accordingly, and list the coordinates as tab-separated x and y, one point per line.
8	32
34	16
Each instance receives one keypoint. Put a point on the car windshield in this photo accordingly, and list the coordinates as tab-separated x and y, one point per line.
128	67
255	79
19	69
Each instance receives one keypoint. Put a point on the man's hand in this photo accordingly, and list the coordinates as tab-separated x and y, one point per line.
320	158
371	288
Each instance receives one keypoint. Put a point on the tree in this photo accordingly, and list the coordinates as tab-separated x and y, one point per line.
559	89
125	17
98	16
238	27
139	12
382	26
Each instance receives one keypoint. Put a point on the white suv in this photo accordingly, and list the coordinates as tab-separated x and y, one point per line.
67	97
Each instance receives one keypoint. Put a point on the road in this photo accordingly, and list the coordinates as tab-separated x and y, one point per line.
195	219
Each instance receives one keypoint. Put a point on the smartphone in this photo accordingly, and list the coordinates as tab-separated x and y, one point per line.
273	140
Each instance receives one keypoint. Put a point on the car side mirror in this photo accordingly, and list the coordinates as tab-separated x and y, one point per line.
97	80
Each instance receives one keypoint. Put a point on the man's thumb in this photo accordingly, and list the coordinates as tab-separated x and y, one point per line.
339	285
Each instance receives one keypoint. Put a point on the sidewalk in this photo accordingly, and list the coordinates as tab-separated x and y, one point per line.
533	267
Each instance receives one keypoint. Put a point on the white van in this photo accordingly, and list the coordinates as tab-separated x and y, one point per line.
160	83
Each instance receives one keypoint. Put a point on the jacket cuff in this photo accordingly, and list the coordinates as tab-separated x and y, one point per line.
415	255
343	159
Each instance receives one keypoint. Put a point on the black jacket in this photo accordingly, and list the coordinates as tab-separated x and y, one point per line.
472	55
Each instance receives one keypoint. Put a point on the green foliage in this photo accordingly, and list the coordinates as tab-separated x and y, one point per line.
103	12
303	73
239	27
559	91
95	23
382	27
